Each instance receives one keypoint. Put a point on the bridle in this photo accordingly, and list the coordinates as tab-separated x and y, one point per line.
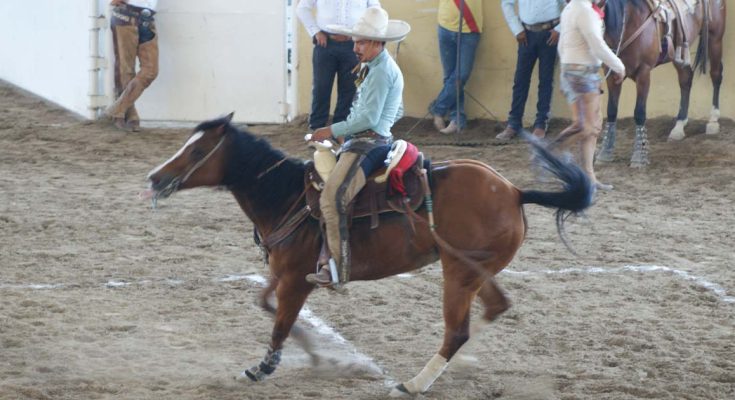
176	182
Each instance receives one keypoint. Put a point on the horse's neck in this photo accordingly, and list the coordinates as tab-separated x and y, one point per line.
265	216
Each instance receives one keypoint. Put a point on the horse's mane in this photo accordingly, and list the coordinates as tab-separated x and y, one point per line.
614	15
250	156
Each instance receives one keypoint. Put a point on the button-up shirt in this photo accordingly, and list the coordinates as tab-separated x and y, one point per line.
379	102
581	40
530	12
328	12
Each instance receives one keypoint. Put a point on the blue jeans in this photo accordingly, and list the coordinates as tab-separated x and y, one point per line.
537	49
339	59
446	102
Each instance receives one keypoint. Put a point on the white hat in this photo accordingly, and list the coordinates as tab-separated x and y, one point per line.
374	25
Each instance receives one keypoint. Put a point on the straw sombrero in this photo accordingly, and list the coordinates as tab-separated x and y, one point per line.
374	25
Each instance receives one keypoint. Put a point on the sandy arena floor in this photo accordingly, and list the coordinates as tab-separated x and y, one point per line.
102	297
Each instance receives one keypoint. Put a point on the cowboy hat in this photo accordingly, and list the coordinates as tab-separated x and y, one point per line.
374	25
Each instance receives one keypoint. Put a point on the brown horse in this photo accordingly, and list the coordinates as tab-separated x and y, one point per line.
643	40
478	215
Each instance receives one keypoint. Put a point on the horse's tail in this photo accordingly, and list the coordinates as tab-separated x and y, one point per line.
700	60
577	192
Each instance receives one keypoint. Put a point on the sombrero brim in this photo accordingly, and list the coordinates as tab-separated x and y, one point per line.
397	31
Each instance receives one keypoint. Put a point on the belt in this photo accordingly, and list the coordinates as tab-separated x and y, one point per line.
542	26
338	38
580	68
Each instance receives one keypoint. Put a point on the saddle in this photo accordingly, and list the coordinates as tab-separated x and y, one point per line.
377	197
675	15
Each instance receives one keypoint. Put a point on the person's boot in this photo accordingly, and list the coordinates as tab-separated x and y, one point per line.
120	124
507	134
439	122
450	129
539	132
321	278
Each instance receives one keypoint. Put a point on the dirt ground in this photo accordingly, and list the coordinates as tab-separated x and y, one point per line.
102	297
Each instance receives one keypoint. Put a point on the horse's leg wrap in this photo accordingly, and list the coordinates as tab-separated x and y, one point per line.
713	125
677	133
421	382
266	367
639	158
608	144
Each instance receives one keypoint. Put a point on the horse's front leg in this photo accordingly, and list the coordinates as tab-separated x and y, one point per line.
605	154
686	74
639	158
291	293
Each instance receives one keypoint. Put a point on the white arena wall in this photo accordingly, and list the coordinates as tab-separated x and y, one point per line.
45	49
215	57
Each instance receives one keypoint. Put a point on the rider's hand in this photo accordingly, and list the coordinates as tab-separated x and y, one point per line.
321	38
522	39
321	134
553	38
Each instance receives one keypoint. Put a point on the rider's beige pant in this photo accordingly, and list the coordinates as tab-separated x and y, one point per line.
335	198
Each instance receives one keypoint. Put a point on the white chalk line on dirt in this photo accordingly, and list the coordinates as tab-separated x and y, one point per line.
715	288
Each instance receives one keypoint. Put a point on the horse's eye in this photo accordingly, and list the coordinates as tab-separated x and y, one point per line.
197	154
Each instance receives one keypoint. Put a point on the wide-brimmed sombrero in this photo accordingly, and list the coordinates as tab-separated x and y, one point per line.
374	25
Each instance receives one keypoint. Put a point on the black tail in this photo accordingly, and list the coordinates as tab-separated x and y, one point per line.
578	190
700	60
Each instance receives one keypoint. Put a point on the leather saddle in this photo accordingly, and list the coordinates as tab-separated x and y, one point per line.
675	15
375	198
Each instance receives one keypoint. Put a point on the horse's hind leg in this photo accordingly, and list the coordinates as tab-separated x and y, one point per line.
715	72
460	288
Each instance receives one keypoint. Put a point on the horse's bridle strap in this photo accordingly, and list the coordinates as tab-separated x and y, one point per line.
203	160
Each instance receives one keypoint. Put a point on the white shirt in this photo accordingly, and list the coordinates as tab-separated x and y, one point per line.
581	40
149	4
337	12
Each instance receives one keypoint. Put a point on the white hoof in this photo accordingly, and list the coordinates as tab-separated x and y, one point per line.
713	128
678	132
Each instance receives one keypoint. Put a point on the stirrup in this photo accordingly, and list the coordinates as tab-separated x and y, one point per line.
326	274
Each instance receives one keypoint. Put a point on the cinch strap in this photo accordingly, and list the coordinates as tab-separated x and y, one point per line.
468	17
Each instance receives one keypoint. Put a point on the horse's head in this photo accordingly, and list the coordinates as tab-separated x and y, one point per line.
200	162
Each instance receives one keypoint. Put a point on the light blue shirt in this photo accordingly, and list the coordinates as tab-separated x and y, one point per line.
379	102
530	12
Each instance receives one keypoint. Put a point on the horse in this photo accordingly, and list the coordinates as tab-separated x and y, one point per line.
638	30
478	218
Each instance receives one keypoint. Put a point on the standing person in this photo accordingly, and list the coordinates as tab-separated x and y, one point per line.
582	49
133	35
366	131
332	55
536	29
448	29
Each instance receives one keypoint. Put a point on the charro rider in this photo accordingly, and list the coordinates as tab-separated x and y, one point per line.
366	131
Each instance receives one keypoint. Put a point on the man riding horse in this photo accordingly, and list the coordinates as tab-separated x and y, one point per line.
366	132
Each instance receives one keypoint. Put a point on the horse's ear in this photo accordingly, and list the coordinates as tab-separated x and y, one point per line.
228	118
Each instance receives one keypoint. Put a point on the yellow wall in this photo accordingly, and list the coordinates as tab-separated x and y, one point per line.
492	78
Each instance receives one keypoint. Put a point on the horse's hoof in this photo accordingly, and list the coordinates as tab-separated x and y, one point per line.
713	128
253	374
399	391
638	164
676	136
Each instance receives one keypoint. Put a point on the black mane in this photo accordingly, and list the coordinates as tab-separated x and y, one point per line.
614	15
250	156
